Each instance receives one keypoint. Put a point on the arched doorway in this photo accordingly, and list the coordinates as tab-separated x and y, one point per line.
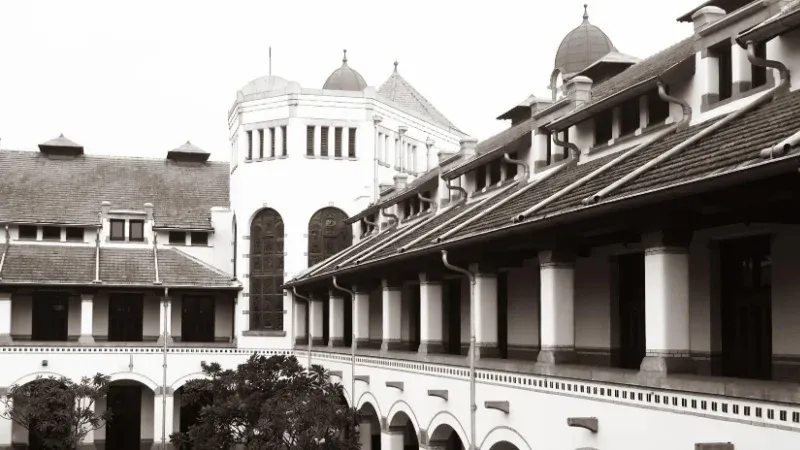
327	234
444	437
266	271
186	413
504	446
369	428
401	429
132	405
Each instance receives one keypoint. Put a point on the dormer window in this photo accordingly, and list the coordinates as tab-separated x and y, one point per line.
51	233
199	238
117	230
75	234
136	230
722	52
657	109
27	232
511	168
629	117
177	237
603	127
480	178
495	171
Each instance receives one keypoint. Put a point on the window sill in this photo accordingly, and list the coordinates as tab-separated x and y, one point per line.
540	167
627	138
492	188
266	158
338	158
710	103
264	333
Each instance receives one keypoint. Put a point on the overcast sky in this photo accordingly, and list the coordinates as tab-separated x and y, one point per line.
140	78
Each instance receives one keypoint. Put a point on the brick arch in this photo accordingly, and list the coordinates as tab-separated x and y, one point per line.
177	384
504	438
400	413
327	234
368	398
33	376
442	424
266	270
134	376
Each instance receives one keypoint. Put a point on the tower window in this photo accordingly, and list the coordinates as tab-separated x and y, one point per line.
284	135
51	233
310	141
117	230
351	144
261	143
323	141
658	109
337	138
480	178
495	171
722	52
27	232
136	232
511	168
272	142
250	144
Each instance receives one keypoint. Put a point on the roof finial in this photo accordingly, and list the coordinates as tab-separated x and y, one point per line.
395	65
585	11
344	60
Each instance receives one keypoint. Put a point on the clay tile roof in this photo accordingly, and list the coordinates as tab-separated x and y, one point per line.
38	189
400	91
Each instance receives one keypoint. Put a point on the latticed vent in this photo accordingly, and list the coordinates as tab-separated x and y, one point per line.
285	138
310	141
351	143
323	141
337	138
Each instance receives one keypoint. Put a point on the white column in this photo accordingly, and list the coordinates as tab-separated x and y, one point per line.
361	319
392	315
616	122
165	312
430	303
278	141
335	320
300	313
88	440
392	440
666	265
316	322
707	72
365	434
5	318
159	417
539	150
6	430
557	275
317	140
644	113
742	71
87	312
485	315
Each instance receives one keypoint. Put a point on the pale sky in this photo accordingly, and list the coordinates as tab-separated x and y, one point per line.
140	78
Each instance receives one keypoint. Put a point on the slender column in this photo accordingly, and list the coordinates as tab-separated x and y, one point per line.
316	322
616	122
430	315
161	322
317	140
708	74
667	333
742	73
644	112
88	440
392	316
5	318
538	150
392	439
485	313
87	311
361	319
300	314
278	141
335	319
365	433
557	273
159	418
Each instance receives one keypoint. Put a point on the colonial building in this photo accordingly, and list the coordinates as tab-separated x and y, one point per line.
621	261
142	269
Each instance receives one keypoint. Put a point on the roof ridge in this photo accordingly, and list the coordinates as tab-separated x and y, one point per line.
426	104
199	261
107	157
417	102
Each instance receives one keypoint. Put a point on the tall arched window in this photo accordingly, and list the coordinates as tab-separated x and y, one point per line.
266	271
327	234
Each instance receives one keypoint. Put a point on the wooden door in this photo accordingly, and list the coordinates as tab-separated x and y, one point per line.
125	317
50	313
197	319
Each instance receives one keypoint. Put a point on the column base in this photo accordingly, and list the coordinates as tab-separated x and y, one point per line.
392	345
426	347
666	364
160	340
362	342
317	342
86	339
483	350
5	339
564	355
336	342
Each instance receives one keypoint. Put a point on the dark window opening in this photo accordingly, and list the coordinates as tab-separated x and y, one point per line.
51	233
250	144
511	168
235	245
407	211
266	271
426	205
177	237
261	143
603	126
658	109
722	52
197	319
125	317
117	230
451	320
337	142
629	117
351	144
74	234
565	140
27	232
49	316
480	178
549	147
285	139
199	238
495	171
758	73
272	142
310	141
630	285
136	232
323	141
328	234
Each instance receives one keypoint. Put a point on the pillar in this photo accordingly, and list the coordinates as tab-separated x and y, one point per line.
430	315
160	417
616	122
164	326
644	113
742	71
315	322
557	274
365	433
335	319
708	75
87	308
88	440
300	315
392	439
485	314
5	319
667	326
6	431
278	141
361	318
539	150
392	316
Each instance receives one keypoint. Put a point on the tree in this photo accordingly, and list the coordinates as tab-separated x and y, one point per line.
57	412
268	404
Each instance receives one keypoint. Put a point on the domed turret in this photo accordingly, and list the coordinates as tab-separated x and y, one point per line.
581	47
345	78
264	84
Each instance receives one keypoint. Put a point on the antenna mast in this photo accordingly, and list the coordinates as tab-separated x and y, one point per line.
270	60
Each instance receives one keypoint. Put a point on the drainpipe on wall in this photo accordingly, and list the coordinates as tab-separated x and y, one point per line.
308	327
164	374
352	343
5	251
472	406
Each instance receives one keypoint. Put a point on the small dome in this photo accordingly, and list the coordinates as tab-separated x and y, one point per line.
264	84
582	47
345	79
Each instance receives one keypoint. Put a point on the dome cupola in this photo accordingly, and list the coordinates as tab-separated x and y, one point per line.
345	78
582	47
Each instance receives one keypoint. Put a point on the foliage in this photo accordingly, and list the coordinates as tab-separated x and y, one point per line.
48	409
268	404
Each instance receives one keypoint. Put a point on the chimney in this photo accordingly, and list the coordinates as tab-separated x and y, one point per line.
579	90
706	16
105	207
400	182
148	209
469	147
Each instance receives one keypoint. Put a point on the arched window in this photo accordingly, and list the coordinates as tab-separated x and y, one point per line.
266	271
327	234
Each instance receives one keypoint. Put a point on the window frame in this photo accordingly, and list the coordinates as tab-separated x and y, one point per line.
131	223
193	234
51	228
111	234
33	228
175	241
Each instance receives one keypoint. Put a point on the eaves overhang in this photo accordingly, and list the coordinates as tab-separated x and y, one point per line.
484	158
770	29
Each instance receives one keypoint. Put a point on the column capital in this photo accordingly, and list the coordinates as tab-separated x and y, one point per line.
557	257
391	283
429	278
667	238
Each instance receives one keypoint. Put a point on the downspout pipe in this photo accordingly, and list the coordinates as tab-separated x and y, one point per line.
526	170
473	408
164	374
391	216
457	188
763	99
371	223
576	151
308	331
605	167
352	340
5	251
427	200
